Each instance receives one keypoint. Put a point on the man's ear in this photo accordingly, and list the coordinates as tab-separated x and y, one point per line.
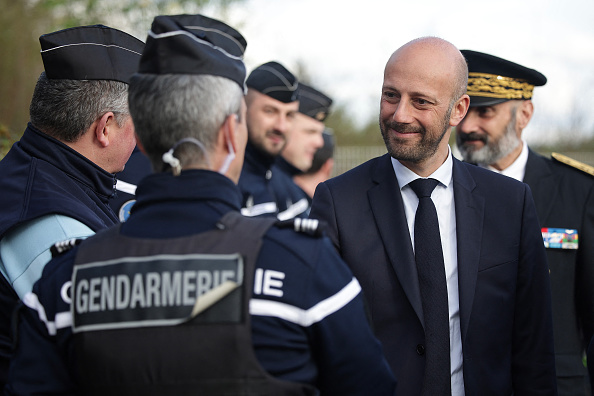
524	114
327	167
139	144
459	110
102	126
229	129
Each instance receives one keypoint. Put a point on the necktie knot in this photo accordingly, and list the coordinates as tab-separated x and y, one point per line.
423	187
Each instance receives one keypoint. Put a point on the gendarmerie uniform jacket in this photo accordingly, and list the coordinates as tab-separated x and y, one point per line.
308	320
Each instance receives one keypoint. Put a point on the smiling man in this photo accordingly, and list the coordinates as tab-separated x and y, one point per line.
469	312
491	136
272	103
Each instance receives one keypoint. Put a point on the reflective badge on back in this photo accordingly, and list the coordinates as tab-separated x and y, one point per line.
560	238
162	290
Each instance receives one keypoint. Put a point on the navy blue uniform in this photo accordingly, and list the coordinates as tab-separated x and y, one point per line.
296	201
308	322
137	167
564	199
258	197
41	176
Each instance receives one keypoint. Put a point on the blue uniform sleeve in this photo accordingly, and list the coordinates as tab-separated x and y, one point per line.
26	250
351	359
39	365
309	324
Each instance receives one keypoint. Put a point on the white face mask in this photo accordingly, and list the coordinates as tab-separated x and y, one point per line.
228	159
172	161
231	156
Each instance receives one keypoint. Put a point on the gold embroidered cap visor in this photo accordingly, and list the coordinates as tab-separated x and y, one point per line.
493	80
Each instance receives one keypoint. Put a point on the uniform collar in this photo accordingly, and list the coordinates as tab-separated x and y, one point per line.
286	167
257	159
44	147
190	185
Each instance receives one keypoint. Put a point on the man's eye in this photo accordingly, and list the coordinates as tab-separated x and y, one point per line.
485	112
422	102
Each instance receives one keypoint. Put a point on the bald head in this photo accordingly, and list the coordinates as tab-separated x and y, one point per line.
423	96
438	58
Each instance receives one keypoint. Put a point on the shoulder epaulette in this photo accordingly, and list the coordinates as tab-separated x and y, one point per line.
306	226
573	163
64	246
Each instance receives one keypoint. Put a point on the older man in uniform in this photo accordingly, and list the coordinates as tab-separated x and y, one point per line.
57	180
171	301
491	136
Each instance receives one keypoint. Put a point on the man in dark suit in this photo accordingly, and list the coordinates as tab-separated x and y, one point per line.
490	136
497	303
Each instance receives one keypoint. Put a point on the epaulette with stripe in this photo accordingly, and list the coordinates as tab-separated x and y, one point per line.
573	163
311	227
64	246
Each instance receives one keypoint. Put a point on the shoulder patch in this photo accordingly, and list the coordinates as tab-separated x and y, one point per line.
573	163
64	246
311	227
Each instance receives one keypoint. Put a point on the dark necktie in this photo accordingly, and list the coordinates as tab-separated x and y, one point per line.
434	294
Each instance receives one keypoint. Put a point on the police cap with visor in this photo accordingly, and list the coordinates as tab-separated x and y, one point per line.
93	52
493	80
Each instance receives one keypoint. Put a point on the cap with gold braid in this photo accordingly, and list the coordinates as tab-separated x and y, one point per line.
493	80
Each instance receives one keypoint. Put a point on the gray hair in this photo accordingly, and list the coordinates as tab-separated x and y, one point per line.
168	108
66	109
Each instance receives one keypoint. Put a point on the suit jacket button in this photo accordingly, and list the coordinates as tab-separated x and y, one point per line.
421	349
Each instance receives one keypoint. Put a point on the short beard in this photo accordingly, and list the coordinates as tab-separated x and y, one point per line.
493	150
425	149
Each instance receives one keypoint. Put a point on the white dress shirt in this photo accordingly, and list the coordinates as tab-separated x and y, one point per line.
443	198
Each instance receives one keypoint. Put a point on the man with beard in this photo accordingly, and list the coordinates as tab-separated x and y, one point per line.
460	299
490	136
272	104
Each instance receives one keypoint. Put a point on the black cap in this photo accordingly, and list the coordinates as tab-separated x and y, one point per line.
274	80
313	103
90	53
323	153
493	80
194	44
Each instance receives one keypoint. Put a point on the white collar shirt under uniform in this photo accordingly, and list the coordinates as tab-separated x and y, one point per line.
443	198
517	169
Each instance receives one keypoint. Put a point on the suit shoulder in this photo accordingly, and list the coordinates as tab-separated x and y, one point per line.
360	172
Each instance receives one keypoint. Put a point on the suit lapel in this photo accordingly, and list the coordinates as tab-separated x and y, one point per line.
386	204
469	229
542	182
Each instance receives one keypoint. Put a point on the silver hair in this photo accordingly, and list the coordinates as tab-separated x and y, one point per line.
168	108
66	109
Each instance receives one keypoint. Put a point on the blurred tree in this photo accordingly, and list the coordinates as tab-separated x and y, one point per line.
348	133
23	21
21	24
